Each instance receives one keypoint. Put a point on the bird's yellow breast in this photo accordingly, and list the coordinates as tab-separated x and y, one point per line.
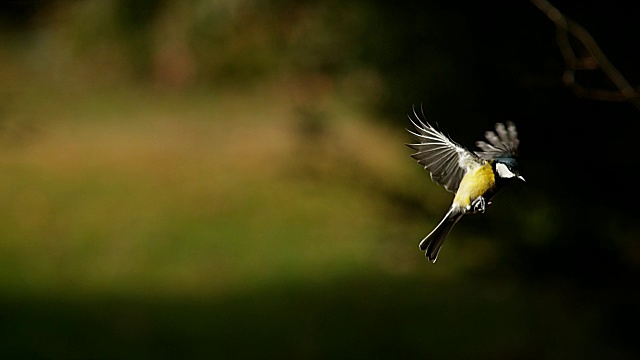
476	182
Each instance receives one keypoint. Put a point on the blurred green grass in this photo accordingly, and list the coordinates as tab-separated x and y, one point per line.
191	193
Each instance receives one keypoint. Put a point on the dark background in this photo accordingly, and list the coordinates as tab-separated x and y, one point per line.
556	271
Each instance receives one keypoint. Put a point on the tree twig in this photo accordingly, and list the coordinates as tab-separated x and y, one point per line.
597	59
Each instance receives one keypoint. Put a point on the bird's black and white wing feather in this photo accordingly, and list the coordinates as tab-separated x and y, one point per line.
446	160
502	143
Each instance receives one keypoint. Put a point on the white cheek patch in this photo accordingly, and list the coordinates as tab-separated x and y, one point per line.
503	171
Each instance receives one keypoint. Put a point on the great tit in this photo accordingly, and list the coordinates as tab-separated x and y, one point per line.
474	177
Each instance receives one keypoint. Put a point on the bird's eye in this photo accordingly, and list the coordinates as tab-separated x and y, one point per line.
503	171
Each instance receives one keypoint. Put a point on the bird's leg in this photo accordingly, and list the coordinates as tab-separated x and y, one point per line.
479	205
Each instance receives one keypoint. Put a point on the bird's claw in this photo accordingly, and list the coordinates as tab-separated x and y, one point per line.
479	205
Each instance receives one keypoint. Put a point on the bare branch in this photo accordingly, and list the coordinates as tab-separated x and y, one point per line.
596	59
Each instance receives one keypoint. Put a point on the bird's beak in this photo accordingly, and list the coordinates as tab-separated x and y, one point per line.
521	178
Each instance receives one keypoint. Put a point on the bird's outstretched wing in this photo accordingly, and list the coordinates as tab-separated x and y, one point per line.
446	160
502	143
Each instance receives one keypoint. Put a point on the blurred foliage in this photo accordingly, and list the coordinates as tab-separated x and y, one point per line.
196	178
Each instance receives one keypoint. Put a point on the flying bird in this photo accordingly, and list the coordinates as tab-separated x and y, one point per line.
474	177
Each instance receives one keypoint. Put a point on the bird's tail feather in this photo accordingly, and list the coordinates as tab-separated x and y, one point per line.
432	243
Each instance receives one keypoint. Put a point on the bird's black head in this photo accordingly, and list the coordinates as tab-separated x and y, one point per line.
507	168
